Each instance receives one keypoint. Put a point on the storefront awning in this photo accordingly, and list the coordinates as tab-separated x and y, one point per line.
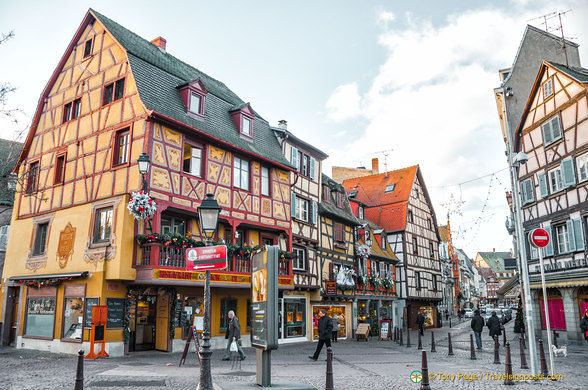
50	276
561	283
506	287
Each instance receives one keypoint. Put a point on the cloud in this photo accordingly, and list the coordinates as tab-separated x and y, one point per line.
385	17
344	102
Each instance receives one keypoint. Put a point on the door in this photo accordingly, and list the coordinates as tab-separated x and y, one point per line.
11	326
162	322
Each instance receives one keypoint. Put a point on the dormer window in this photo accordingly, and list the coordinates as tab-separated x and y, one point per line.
390	187
246	126
193	95
243	116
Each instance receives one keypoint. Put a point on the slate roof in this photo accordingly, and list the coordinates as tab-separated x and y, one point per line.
331	208
494	260
158	74
9	152
285	134
580	74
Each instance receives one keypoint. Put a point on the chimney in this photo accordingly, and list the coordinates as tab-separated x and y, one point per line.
159	42
375	166
283	124
493	249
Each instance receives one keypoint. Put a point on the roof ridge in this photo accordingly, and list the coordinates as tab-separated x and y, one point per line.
382	173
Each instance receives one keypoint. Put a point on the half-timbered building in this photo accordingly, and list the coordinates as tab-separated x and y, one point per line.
336	255
553	132
112	97
398	201
306	193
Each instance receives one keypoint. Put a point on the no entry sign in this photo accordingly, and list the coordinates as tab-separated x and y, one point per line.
539	238
206	258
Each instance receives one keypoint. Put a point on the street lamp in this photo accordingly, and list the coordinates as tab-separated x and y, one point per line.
143	163
208	213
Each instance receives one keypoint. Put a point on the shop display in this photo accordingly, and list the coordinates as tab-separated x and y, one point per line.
73	318
40	317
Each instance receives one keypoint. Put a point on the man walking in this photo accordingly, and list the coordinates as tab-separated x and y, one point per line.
420	320
325	329
477	325
494	325
233	334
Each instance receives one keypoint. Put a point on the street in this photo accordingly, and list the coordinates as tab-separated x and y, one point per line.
356	365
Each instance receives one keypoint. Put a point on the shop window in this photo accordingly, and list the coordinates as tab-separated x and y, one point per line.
32	178
332	311
40	243
192	160
102	225
113	91
241	174
265	181
40	312
299	262
73	312
173	225
295	315
227	304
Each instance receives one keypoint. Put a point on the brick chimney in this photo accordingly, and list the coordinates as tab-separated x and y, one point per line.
159	42
375	166
283	124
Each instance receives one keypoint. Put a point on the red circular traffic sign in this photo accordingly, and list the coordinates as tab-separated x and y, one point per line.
539	238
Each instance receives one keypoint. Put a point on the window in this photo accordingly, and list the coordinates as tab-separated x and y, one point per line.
299	262
434	282
192	160
227	304
327	194
113	91
241	174
555	180
340	200
527	191
551	130
59	169
196	105
415	248
73	312
360	211
582	166
429	224
390	187
410	219
561	234
432	250
173	225
40	239
301	209
265	181
416	193
102	225
88	48
40	312
72	110
417	280
4	237
247	126
32	177
547	89
339	232
304	166
121	147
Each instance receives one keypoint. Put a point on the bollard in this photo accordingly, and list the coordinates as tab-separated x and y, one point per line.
450	346
329	385
504	337
523	360
425	372
420	344
472	350
542	358
449	322
400	337
433	342
508	367
555	339
496	356
80	371
396	334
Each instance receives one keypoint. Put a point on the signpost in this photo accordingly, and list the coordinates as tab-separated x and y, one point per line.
206	258
539	238
264	305
99	318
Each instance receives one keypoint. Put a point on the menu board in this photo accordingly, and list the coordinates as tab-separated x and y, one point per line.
178	315
90	303
116	312
384	330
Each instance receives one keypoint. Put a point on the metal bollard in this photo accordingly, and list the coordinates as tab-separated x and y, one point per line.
450	346
523	360
472	350
329	385
400	337
80	371
396	334
496	356
420	345
450	322
425	372
504	337
542	358
508	380
433	342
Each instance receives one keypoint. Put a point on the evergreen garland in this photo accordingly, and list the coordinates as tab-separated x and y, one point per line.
38	283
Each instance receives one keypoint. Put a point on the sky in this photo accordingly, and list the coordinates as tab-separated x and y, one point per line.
407	82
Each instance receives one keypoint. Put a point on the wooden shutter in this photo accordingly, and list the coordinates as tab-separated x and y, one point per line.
578	234
555	128
548	250
294	158
293	205
312	168
527	191
567	170
314	212
543	190
338	232
571	237
546	129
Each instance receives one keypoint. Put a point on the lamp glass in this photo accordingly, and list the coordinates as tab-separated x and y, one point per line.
143	163
208	214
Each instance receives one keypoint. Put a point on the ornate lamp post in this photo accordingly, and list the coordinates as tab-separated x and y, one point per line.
143	163
208	213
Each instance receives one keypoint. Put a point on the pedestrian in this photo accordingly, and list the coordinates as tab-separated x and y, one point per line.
494	325
233	334
584	325
325	330
335	322
370	321
420	320
446	315
459	314
477	325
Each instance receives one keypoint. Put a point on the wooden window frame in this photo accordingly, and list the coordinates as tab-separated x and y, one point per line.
296	249
301	200
97	220
432	249
554	170
340	200
91	42
326	194
112	90
101	206
36	293
68	295
32	183
60	163
36	249
193	145
417	280
582	162
415	246
200	109
545	89
434	281
546	123
339	232
116	156
410	216
269	181
248	164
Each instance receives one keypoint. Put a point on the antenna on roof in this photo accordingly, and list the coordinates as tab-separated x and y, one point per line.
555	27
385	153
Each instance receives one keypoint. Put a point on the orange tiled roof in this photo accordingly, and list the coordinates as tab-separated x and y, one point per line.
391	217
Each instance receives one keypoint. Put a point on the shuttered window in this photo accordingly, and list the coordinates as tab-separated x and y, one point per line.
551	130
582	166
527	190
339	232
567	169
543	190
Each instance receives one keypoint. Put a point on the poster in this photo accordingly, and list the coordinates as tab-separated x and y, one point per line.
428	313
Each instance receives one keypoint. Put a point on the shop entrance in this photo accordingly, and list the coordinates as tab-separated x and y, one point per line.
10	326
142	323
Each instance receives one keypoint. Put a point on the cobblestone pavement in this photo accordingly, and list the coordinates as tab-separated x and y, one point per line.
356	365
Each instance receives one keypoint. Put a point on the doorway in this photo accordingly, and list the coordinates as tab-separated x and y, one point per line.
142	323
9	332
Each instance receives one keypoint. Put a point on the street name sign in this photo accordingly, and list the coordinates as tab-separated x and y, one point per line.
206	258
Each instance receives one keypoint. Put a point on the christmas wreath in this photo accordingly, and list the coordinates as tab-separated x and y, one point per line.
141	206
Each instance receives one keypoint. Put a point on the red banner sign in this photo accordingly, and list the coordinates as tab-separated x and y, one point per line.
206	258
331	287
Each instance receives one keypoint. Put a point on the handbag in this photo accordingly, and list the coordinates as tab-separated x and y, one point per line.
233	347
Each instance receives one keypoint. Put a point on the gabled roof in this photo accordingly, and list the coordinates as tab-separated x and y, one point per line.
285	134
331	209
495	260
372	189
577	73
377	250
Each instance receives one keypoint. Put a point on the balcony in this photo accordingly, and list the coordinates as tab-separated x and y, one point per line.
157	255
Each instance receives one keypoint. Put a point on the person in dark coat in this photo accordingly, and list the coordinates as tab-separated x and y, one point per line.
233	334
420	320
325	330
584	325
494	325
370	321
477	325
